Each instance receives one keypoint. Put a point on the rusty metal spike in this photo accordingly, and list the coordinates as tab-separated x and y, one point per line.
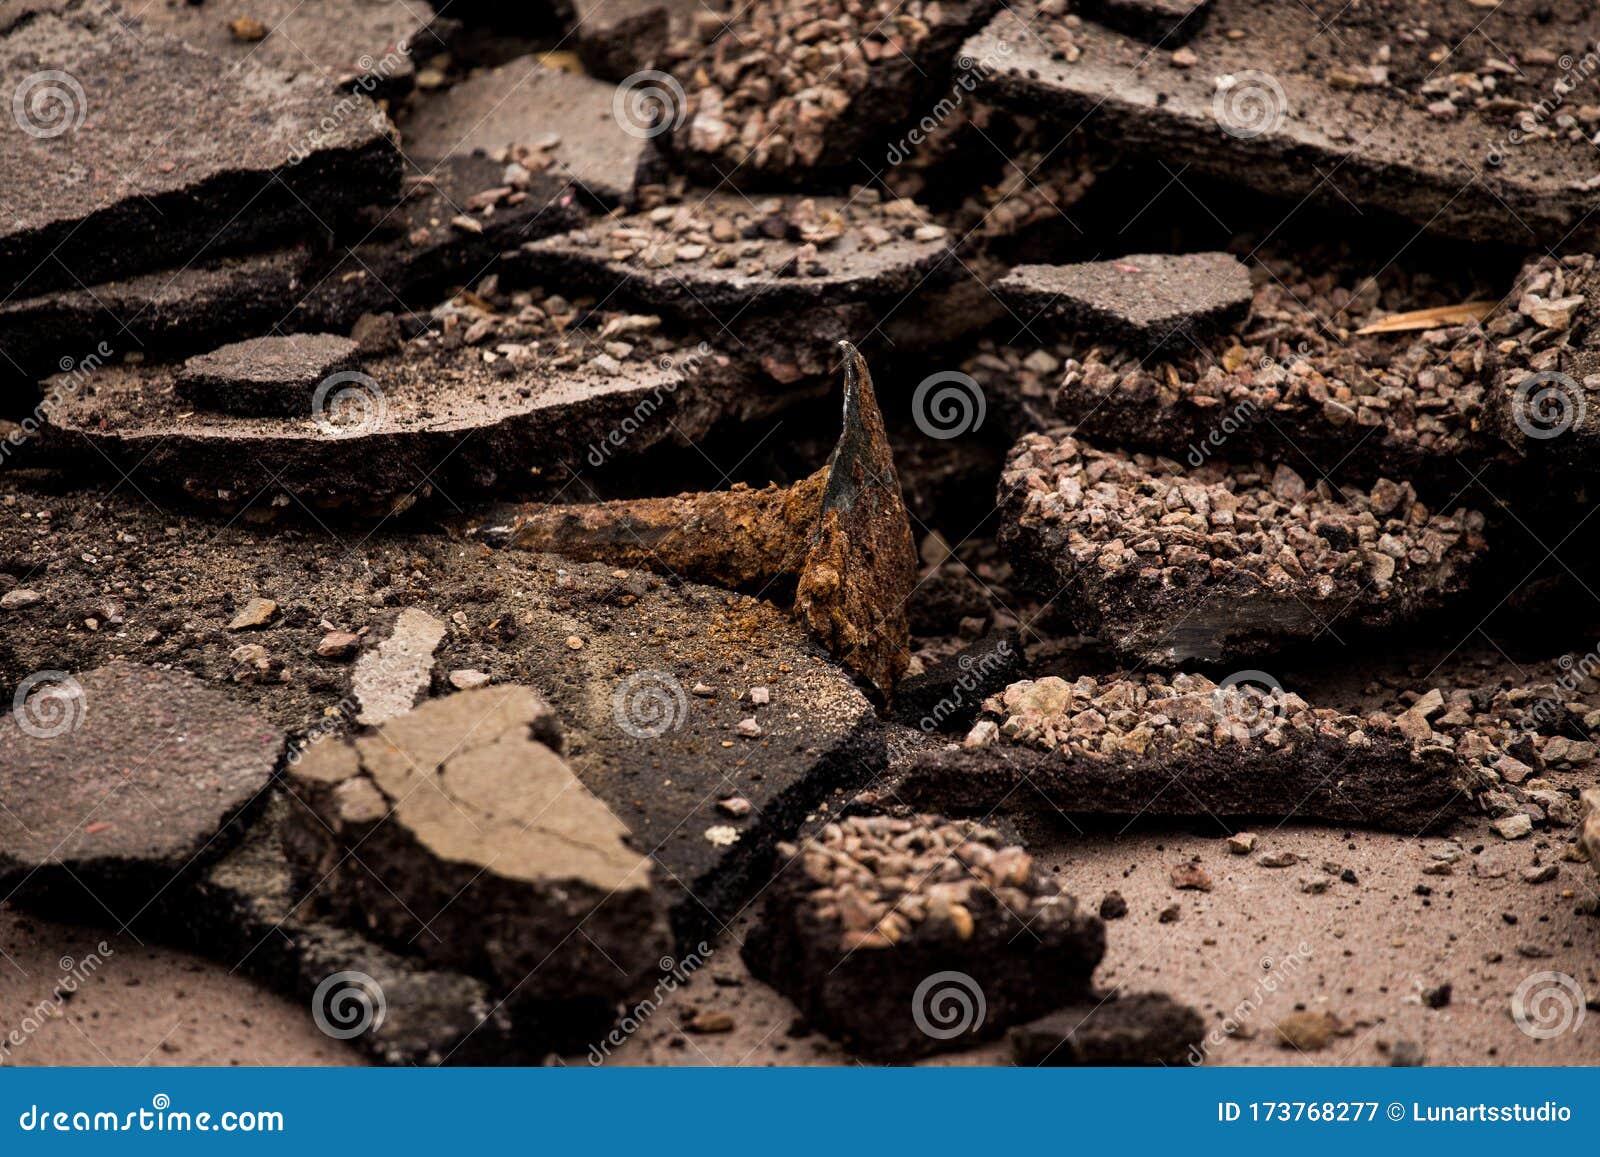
839	539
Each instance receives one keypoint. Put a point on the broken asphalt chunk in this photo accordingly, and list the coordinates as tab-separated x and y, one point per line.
265	375
1145	301
618	38
389	678
1168	563
1372	123
1240	748
781	90
391	263
723	254
1145	1028
342	43
247	913
456	408
904	937
1163	23
949	695
1307	378
115	782
839	539
542	118
1544	401
452	833
134	153
616	656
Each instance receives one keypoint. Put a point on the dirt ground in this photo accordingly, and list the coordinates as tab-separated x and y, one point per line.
1255	948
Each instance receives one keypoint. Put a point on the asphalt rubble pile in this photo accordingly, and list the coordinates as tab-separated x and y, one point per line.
486	521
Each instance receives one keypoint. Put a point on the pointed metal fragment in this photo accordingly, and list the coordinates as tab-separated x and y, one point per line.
862	565
837	542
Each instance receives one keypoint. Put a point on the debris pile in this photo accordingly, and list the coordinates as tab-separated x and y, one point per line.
868	919
1240	749
452	833
1171	563
457	564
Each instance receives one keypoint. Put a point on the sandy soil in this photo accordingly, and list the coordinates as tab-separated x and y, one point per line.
1364	951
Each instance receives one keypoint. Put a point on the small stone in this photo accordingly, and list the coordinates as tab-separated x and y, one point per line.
1540	874
391	677
1191	875
574	643
1406	1054
247	29
1278	859
1113	906
1514	827
1171	914
1316	885
257	612
748	728
338	644
760	696
711	1021
19	598
1307	1031
722	836
735	805
467	679
1242	843
1437	996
